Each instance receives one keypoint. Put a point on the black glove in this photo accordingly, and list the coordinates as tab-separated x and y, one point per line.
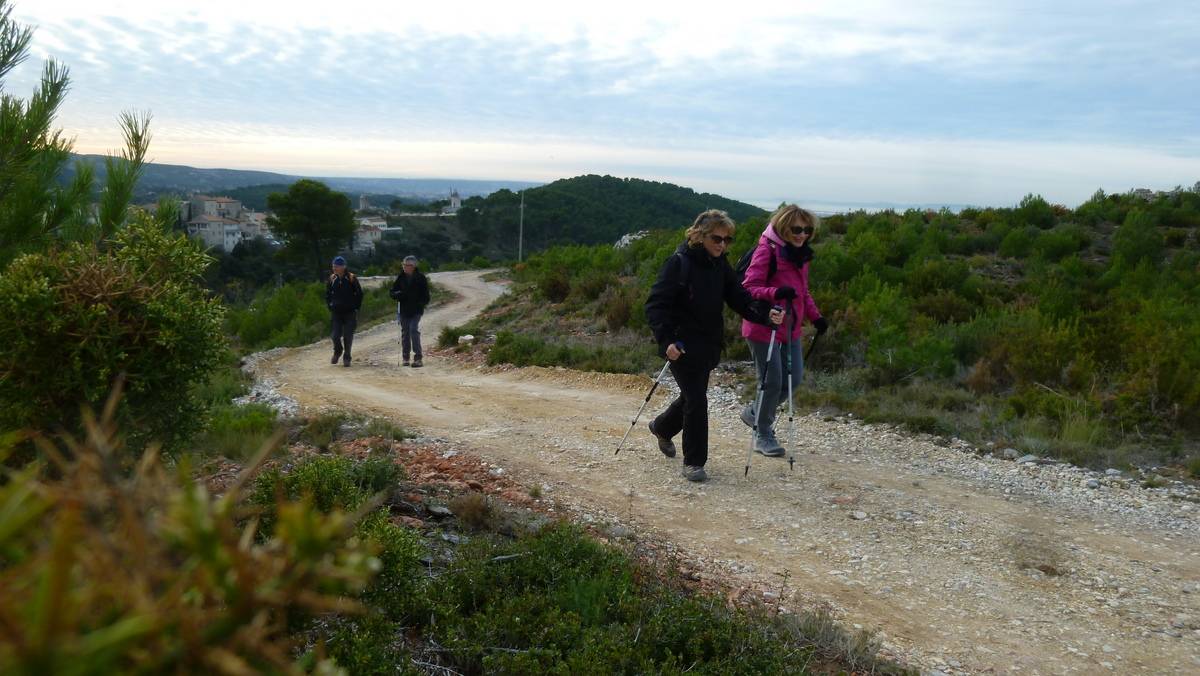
785	293
822	325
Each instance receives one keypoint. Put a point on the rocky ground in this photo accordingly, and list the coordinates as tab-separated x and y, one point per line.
963	560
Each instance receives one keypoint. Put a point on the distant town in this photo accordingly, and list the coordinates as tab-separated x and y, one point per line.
223	222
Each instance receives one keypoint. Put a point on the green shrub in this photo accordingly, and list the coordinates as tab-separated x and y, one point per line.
450	334
295	314
79	318
944	306
237	432
555	285
321	431
129	570
1137	240
1193	467
594	283
1035	211
1018	243
617	306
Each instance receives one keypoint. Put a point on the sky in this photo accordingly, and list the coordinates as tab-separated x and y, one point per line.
823	103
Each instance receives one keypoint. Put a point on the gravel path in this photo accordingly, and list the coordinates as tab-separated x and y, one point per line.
966	563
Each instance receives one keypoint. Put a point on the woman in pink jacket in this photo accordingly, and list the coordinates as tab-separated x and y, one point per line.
778	273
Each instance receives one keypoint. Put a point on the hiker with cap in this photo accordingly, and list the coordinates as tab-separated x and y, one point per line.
686	312
411	293
343	296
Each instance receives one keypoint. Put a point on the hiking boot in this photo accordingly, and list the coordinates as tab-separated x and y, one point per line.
336	357
417	363
748	415
693	473
766	444
346	362
406	362
664	443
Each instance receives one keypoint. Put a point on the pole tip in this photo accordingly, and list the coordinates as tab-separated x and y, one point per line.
747	472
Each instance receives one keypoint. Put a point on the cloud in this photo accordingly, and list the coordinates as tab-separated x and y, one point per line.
948	99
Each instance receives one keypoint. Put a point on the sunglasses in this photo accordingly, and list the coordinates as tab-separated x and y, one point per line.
717	239
803	230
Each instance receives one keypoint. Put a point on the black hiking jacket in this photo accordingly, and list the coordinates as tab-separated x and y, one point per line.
411	295
343	294
688	300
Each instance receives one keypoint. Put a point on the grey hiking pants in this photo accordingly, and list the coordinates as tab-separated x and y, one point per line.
410	334
343	333
775	389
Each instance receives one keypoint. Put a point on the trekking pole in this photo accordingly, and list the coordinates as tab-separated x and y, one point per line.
791	412
647	400
811	346
762	386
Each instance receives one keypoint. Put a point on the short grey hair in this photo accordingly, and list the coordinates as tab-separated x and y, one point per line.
410	259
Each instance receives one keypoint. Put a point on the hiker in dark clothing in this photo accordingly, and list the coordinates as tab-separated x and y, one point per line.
685	310
343	295
411	293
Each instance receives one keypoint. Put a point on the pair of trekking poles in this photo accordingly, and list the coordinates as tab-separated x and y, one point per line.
758	400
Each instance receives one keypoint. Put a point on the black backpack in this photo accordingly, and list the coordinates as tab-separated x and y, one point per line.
743	263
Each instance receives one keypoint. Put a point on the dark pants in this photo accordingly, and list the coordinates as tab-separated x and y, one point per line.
688	413
410	334
343	333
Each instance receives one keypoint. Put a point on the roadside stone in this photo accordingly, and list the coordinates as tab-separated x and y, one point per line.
858	516
1112	472
1010	454
1093	484
411	522
439	510
1026	458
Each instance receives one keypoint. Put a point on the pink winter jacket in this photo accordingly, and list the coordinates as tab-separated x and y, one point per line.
786	274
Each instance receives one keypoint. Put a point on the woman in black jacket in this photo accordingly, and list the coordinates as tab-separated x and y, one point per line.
685	311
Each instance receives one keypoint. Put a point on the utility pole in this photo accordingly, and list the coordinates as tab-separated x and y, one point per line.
521	231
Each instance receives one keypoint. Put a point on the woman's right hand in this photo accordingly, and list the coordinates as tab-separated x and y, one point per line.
673	351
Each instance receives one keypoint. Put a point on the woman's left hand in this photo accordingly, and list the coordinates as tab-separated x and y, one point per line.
776	317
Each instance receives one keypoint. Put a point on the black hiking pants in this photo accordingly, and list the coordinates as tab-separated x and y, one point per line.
344	324
689	412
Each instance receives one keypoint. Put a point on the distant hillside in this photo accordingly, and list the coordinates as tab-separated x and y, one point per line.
182	179
587	210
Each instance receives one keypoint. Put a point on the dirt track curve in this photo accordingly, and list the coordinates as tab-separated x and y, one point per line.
938	548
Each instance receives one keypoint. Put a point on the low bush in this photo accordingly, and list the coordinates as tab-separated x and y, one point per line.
554	285
450	334
237	432
80	318
103	573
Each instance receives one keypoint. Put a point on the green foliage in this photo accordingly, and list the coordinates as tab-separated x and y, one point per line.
558	602
1035	211
555	285
81	317
528	350
586	210
995	302
450	334
295	314
105	573
314	222
1138	240
237	432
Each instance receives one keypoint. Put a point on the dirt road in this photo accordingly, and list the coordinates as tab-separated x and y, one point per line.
967	564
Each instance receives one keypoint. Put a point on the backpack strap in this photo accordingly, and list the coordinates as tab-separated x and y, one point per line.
685	271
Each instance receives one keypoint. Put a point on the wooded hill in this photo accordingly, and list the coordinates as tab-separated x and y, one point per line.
587	209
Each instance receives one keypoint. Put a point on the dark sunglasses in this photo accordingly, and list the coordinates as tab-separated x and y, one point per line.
803	230
717	239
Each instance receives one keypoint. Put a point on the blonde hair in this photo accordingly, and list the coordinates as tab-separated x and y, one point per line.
786	216
705	223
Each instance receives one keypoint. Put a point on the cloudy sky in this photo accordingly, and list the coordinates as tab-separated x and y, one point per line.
826	103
